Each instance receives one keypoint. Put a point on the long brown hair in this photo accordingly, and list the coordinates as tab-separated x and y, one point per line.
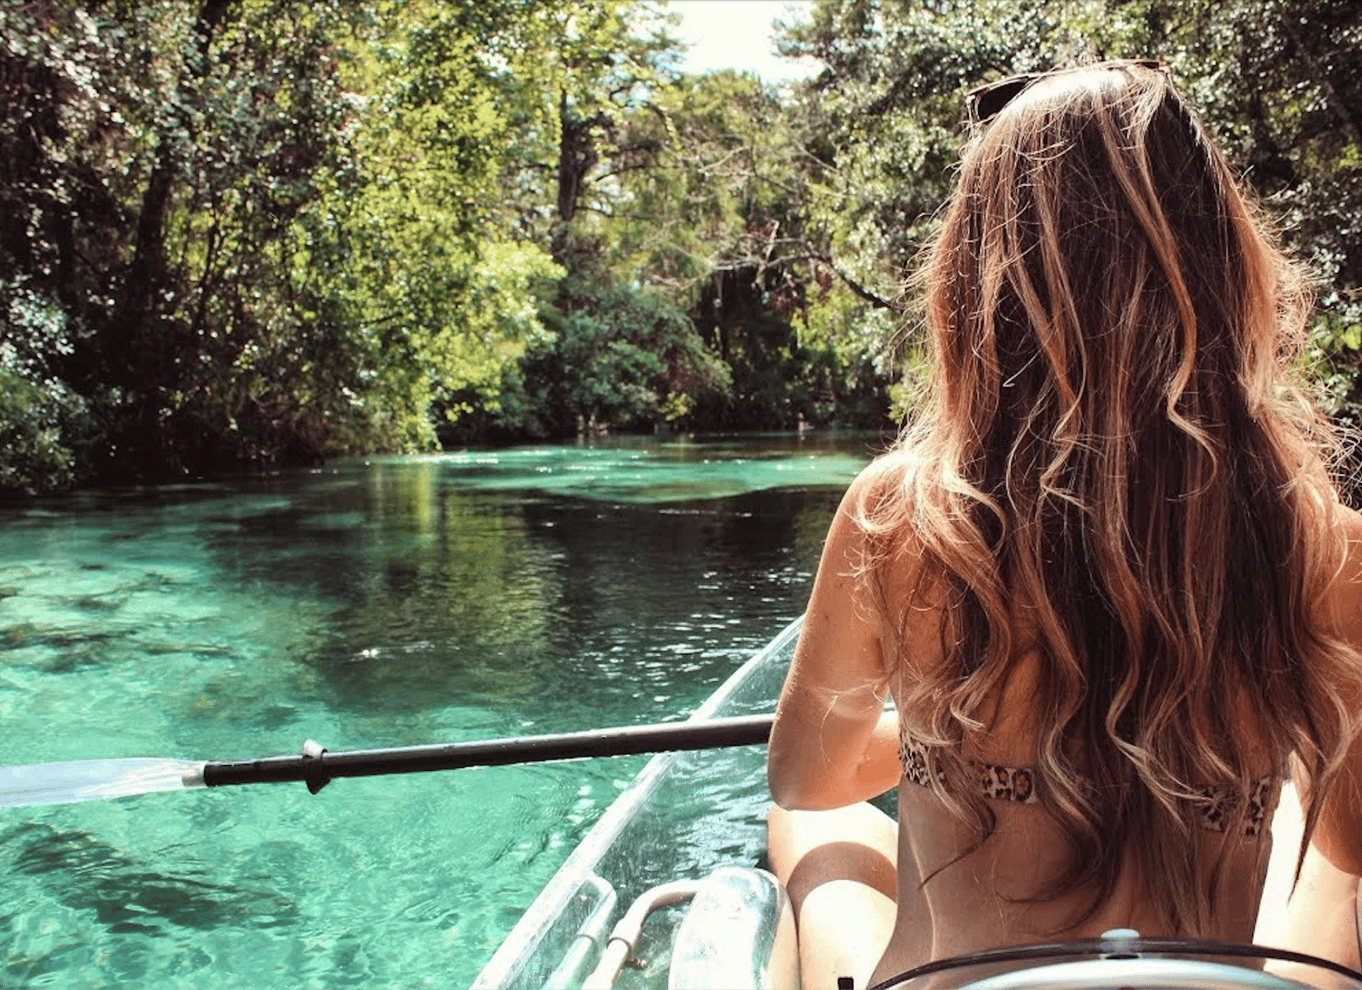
1115	447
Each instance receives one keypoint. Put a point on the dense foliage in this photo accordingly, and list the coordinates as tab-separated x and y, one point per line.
255	231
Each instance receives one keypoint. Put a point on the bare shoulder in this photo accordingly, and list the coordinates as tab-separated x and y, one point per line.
879	501
864	533
1345	592
881	520
875	530
890	470
1351	522
1342	608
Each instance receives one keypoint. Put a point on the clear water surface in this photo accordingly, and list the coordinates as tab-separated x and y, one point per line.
370	603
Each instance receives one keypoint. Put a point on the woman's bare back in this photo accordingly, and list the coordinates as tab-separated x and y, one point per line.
949	905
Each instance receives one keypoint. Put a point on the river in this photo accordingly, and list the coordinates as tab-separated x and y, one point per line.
379	602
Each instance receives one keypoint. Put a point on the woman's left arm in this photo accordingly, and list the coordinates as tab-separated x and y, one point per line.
833	743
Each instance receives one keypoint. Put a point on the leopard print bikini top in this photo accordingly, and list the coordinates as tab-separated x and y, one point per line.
1003	783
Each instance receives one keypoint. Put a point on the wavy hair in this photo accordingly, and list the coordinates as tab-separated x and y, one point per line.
1117	474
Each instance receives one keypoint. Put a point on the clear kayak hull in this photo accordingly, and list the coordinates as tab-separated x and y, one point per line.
684	816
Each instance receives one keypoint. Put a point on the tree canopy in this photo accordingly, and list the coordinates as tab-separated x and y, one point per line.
249	232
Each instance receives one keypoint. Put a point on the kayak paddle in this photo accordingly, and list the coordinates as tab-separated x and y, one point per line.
92	780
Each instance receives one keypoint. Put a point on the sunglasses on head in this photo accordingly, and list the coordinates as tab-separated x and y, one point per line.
985	102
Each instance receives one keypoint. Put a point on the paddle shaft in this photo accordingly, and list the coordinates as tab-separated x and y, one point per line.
624	741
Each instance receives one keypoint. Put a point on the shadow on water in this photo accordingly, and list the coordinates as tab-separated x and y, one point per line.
140	923
130	896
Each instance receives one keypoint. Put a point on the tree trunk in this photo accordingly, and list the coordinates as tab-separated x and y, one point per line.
577	156
146	274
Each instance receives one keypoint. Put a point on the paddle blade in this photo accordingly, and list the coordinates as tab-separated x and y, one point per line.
94	780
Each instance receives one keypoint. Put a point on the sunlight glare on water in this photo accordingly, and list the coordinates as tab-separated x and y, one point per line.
372	603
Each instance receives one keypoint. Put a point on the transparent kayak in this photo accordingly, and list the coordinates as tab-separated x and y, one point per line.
684	816
667	890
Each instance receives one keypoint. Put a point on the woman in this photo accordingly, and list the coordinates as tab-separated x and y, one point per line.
1105	578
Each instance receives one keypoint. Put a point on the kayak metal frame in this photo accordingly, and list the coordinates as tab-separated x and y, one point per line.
591	935
625	935
739	932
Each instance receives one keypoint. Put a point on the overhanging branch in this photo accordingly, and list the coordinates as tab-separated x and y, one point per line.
876	300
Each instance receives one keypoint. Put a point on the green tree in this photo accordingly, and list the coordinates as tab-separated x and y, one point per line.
622	352
724	219
249	230
178	143
1279	82
430	295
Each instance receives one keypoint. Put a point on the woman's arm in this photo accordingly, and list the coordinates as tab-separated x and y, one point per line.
1338	836
833	743
1321	917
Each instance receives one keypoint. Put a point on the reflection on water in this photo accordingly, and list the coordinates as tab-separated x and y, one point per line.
389	602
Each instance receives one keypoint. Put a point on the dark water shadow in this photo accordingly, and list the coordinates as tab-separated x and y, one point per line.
128	895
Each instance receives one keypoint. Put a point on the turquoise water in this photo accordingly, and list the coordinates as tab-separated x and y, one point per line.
387	602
